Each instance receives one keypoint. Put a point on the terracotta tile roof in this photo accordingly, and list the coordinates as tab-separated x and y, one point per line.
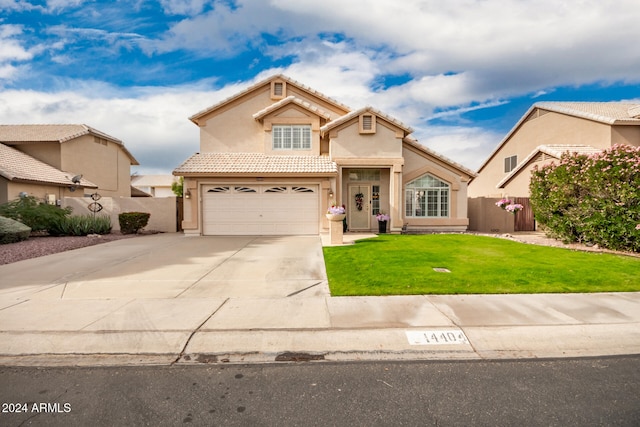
17	134
48	133
20	167
255	163
554	150
288	100
605	112
363	110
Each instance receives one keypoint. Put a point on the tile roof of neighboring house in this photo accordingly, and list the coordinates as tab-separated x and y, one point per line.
611	113
554	150
153	180
255	86
605	112
20	167
255	163
17	134
288	100
368	109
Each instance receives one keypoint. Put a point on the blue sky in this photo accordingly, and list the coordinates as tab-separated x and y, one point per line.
461	72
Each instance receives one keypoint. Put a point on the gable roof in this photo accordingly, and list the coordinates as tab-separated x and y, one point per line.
194	118
255	163
292	100
610	113
20	167
553	150
460	168
60	133
367	109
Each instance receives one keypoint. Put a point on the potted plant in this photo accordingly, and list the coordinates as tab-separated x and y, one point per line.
382	221
336	212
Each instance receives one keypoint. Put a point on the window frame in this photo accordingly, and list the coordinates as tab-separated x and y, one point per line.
434	200
510	163
283	137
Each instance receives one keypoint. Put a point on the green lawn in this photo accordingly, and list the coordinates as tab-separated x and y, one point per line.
403	265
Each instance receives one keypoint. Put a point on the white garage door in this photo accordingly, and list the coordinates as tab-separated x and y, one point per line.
245	209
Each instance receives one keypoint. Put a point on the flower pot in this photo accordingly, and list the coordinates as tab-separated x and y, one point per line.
336	217
382	227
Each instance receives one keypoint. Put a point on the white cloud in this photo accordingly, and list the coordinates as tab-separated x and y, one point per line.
183	7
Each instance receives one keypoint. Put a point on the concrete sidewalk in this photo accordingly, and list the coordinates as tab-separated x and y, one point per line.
168	299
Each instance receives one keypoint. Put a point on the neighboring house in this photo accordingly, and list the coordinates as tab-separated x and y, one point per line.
274	156
542	135
42	160
155	185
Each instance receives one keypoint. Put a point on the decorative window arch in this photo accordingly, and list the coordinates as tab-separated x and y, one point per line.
427	197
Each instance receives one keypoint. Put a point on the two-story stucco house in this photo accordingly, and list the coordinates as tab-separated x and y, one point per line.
42	160
274	156
542	135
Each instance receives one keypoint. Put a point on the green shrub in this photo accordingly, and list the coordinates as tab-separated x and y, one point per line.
12	231
38	216
592	199
132	222
81	225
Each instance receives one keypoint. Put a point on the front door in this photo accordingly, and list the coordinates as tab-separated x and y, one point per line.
359	208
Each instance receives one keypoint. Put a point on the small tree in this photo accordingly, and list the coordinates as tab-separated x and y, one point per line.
178	186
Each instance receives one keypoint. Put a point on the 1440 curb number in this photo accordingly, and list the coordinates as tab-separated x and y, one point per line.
451	336
14	408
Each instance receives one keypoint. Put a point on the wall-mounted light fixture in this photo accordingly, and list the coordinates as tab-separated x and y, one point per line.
330	193
187	194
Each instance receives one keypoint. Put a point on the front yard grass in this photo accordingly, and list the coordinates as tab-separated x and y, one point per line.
404	265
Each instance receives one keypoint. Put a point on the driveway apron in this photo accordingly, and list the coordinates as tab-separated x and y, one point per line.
174	266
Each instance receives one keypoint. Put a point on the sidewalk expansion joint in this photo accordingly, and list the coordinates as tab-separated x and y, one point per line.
186	344
302	290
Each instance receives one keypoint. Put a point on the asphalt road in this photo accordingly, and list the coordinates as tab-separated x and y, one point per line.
566	392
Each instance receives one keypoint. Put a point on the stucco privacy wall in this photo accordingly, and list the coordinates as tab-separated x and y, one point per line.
162	209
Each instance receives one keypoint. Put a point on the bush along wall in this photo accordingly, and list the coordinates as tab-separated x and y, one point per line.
591	198
132	222
12	231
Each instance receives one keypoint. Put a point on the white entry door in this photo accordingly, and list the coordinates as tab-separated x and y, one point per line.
246	209
359	209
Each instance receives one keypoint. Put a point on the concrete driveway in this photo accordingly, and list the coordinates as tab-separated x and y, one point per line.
175	266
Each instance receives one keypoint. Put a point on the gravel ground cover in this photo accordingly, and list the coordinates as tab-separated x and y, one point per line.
37	246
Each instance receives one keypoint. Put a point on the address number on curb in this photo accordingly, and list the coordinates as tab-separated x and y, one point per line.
441	337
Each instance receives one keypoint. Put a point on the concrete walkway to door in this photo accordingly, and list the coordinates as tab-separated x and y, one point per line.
167	298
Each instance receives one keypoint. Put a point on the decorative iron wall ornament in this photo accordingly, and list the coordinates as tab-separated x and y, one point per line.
95	207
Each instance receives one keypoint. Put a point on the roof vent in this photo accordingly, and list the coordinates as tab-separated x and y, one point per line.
634	112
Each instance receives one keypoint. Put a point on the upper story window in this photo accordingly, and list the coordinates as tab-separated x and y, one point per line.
510	163
291	137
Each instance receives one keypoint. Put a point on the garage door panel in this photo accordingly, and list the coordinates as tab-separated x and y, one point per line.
260	210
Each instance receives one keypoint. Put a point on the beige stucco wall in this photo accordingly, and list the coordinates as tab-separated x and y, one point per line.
232	128
11	190
348	143
629	135
48	153
163	210
107	166
548	128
